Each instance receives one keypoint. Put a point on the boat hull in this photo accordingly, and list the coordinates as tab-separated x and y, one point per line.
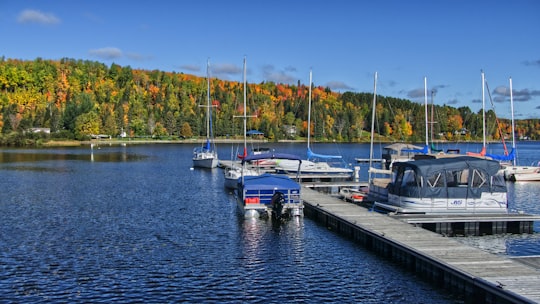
205	160
488	203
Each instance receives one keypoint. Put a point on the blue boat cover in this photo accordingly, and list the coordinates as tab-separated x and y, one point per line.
508	157
269	181
271	156
424	150
311	155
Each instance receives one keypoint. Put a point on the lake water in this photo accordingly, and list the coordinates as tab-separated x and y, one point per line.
136	223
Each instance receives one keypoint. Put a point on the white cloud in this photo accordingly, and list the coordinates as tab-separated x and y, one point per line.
338	86
106	53
191	67
33	16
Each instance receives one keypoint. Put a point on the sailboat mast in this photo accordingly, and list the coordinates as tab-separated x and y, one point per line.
425	108
512	111
309	110
245	117
208	99
372	124
483	110
432	122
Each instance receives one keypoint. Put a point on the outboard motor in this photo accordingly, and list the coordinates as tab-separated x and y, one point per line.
278	203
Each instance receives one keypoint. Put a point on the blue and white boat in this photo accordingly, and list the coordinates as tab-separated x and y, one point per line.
264	195
316	166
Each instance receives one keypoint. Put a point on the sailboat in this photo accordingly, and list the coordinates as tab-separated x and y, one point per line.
426	148
514	172
378	178
317	165
206	156
483	151
399	152
233	173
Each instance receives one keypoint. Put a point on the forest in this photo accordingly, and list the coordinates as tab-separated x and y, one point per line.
75	99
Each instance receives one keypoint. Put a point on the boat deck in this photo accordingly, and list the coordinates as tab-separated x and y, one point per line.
480	276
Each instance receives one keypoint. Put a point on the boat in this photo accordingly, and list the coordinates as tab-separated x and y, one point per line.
352	195
379	178
269	194
514	172
232	174
399	152
206	155
529	176
523	173
235	171
316	166
446	185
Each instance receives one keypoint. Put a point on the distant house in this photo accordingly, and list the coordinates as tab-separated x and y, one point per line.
41	130
255	134
100	136
290	130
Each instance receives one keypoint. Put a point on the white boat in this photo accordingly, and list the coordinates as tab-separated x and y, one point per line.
236	170
317	165
206	155
512	171
447	185
378	178
399	152
309	168
232	174
264	195
523	173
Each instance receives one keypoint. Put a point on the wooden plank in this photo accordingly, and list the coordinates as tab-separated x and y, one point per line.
504	273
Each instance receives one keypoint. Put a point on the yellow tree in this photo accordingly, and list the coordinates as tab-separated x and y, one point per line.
455	122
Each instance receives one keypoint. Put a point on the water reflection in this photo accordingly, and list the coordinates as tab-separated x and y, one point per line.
93	155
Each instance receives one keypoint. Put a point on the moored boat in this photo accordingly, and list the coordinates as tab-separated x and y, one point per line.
523	173
316	166
236	171
264	195
206	156
449	185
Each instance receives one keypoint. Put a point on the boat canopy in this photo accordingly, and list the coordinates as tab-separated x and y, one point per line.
267	181
454	177
271	156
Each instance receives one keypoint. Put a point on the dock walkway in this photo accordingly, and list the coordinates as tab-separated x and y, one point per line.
480	276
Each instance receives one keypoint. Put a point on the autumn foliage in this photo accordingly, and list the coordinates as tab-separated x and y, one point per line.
76	98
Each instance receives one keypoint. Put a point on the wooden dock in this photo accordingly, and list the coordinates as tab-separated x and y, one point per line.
473	224
479	276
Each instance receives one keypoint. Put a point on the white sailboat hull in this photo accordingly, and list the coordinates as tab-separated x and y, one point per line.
205	160
522	173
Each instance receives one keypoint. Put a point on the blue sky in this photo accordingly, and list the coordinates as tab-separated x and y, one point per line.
343	42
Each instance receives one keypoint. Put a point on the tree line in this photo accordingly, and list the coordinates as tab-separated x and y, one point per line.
76	99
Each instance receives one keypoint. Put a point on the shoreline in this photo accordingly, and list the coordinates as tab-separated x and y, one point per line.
75	143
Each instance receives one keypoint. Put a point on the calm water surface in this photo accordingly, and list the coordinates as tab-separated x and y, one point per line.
136	223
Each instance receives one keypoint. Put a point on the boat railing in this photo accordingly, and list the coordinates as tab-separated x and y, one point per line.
265	196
